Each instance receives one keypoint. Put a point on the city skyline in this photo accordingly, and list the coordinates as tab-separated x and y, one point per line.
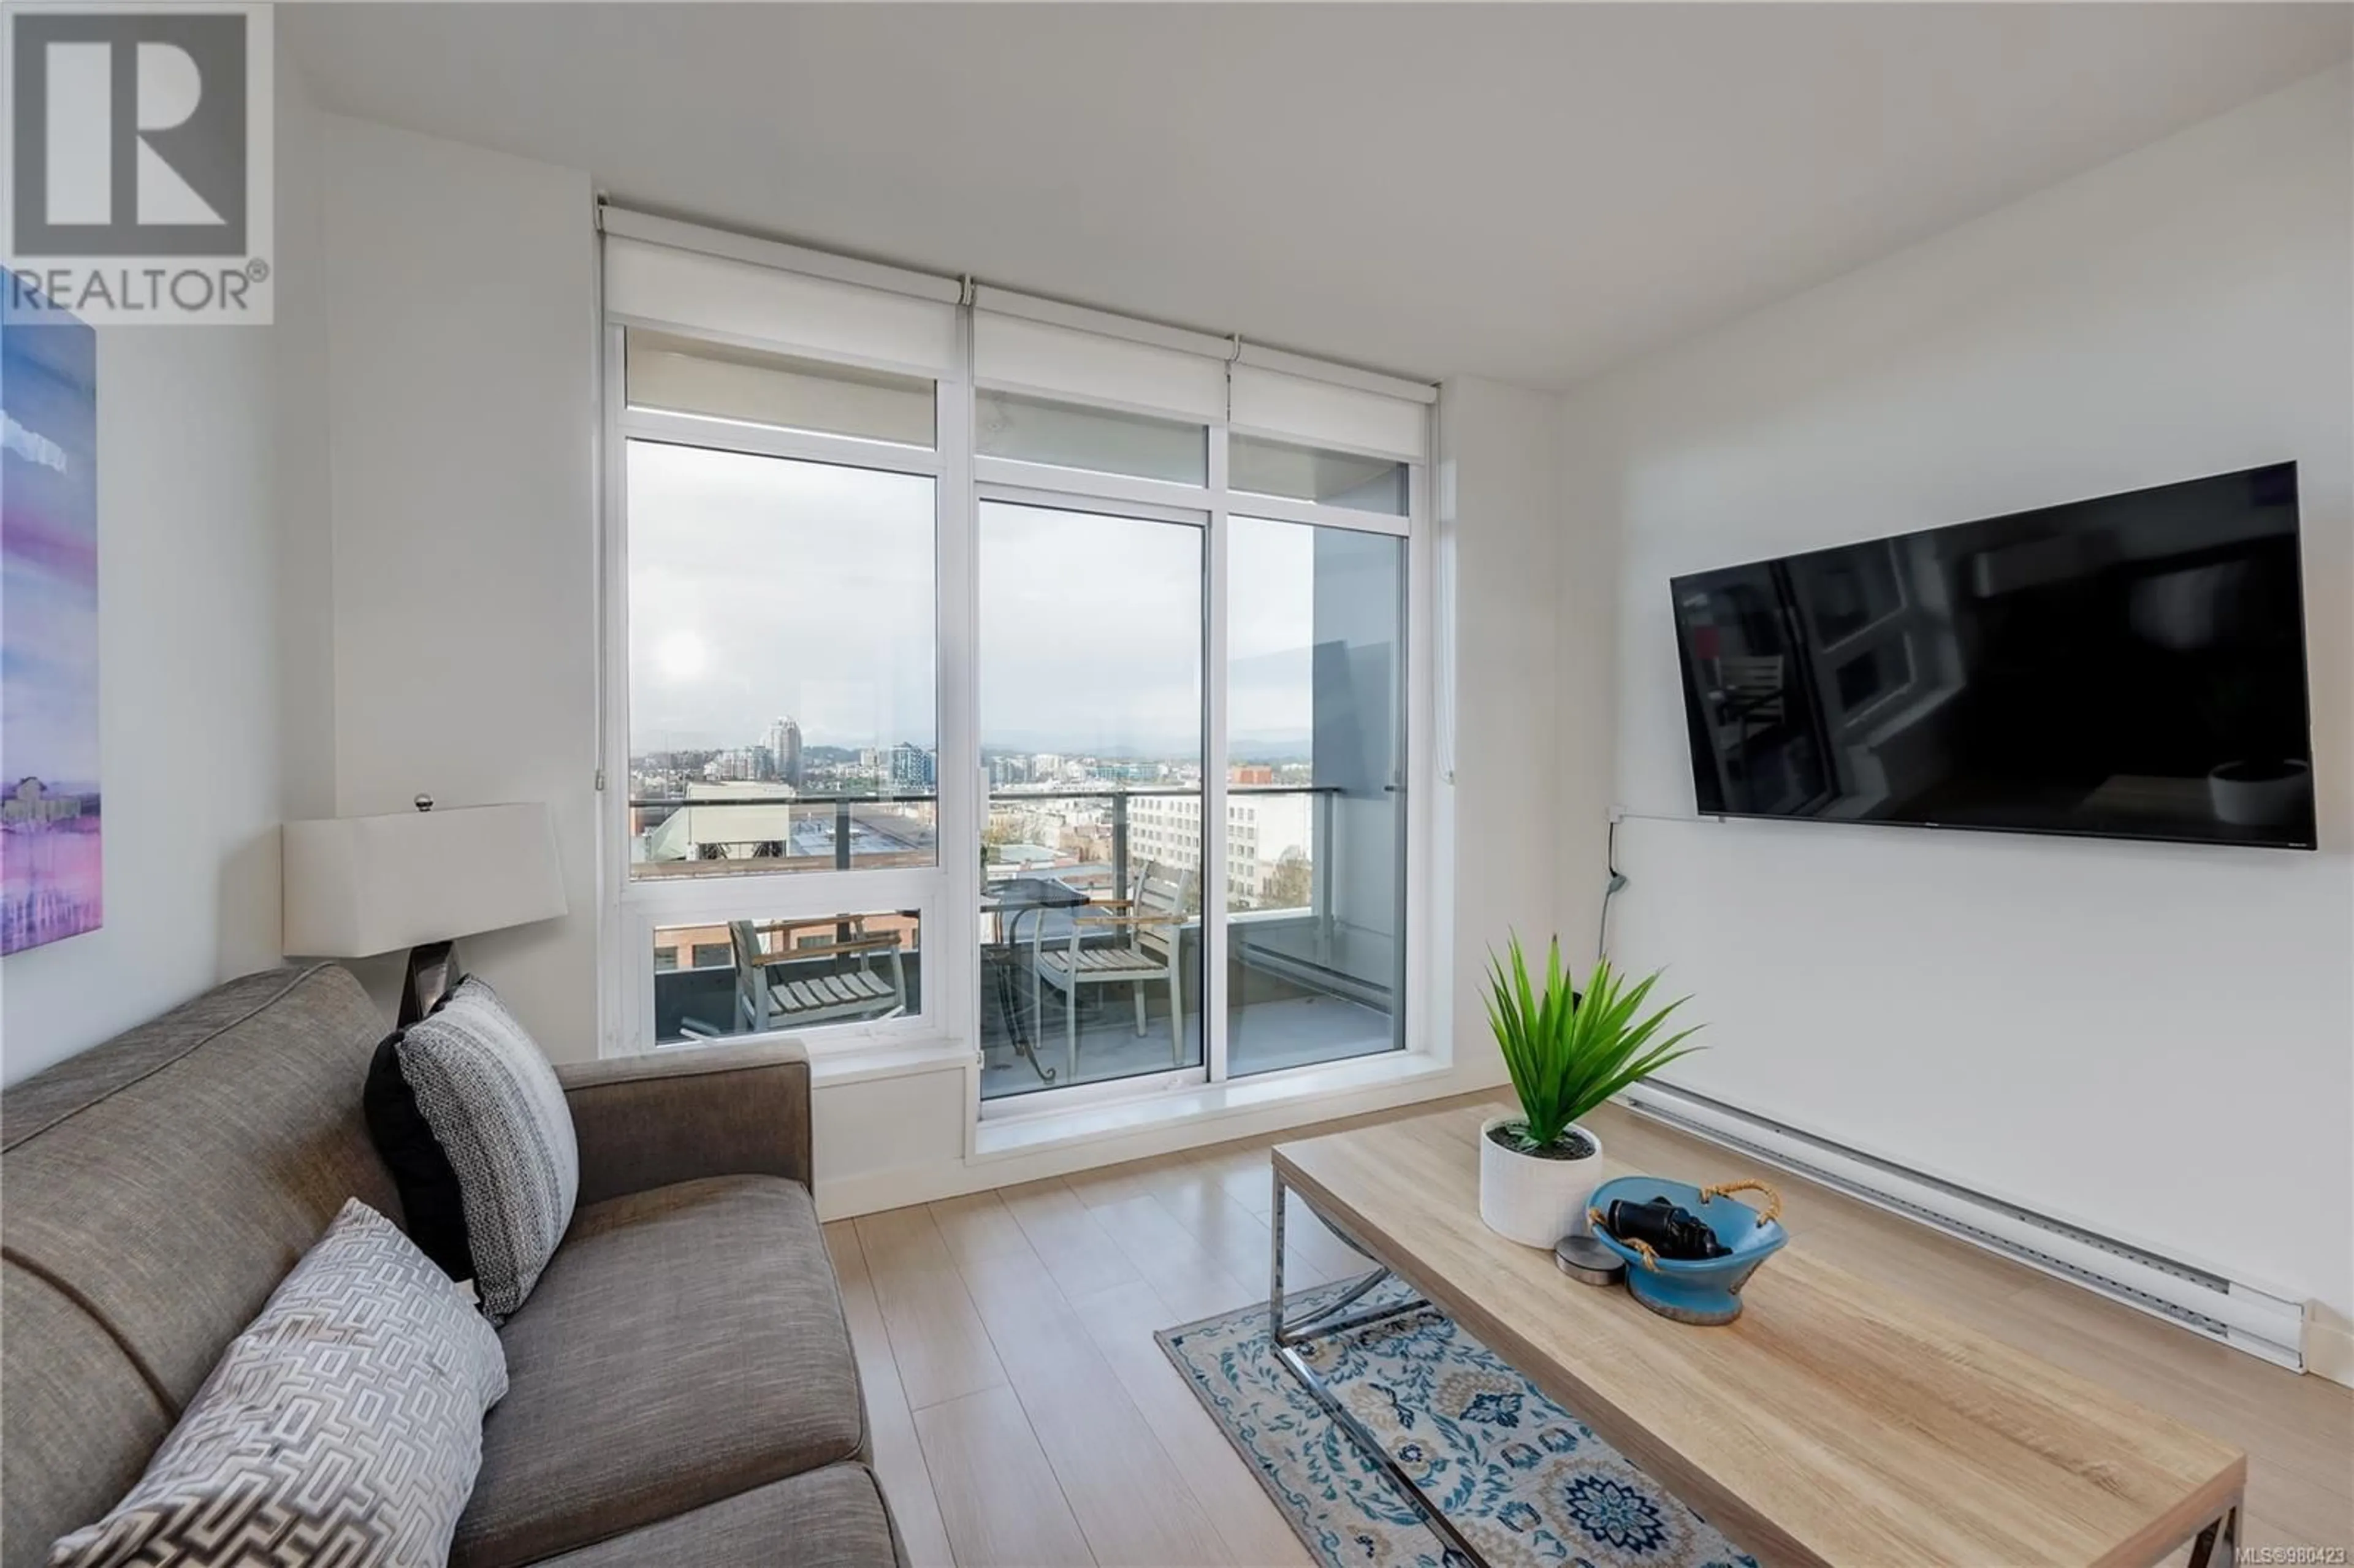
764	761
1240	749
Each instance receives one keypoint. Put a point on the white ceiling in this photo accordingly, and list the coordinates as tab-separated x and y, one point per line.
1526	191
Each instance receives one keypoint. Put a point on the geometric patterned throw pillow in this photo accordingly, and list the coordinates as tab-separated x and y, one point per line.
343	1425
496	1110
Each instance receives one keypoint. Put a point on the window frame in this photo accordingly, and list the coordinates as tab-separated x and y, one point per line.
1415	773
635	907
945	895
1214	506
1088	492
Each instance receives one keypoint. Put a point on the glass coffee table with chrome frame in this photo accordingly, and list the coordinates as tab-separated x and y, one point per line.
1290	1336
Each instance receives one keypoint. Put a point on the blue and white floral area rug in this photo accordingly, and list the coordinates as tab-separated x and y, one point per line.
1525	1481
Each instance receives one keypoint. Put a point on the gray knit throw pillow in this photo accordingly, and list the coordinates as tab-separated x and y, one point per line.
343	1425
499	1115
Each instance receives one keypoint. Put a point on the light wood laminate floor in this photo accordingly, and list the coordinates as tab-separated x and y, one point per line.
1024	1417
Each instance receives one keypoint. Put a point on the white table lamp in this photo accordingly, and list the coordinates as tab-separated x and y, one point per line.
355	887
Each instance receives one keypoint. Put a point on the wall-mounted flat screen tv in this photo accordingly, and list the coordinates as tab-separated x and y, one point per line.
2130	667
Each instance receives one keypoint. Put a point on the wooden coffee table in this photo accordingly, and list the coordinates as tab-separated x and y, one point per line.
1836	1422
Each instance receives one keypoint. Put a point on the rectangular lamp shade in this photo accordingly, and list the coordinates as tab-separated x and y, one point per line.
359	886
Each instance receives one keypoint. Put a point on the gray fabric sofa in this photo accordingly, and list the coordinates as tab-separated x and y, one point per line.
682	1389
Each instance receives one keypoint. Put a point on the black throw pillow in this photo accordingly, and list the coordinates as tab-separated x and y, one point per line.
429	1199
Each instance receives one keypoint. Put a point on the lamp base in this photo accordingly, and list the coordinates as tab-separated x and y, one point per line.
432	970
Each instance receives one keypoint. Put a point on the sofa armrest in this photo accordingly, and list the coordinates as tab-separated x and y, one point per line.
724	1110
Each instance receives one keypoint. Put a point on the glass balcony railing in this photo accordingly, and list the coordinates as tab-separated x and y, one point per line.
1277	837
1103	884
1109	882
752	833
717	979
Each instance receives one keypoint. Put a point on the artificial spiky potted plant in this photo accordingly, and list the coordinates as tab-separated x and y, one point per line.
1567	1051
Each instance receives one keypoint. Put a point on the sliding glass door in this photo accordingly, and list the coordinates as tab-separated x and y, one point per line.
1090	658
1315	851
1116	868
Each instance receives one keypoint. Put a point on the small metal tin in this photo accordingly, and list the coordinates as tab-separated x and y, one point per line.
1587	1261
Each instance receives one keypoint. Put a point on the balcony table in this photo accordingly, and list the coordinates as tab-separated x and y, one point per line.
1006	904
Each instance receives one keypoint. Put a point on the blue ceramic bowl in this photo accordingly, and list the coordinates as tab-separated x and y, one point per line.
1697	1290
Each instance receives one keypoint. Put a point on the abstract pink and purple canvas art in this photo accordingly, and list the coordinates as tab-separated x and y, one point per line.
50	883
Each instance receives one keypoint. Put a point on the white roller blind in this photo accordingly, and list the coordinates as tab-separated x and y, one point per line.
1024	355
662	286
689	376
1321	414
659	272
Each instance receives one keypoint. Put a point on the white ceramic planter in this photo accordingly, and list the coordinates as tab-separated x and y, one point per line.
1534	1201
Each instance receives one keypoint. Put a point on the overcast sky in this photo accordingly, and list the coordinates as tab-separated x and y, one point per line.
761	589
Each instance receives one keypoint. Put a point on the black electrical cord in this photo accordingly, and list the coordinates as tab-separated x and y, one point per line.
1611	888
1618	880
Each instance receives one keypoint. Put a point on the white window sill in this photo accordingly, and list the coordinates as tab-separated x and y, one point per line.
1004	1137
865	1064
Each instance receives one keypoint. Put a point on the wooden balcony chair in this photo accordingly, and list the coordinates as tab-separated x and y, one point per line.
765	999
1147	930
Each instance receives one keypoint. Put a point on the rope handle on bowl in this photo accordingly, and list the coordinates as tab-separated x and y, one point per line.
1636	1244
1772	1210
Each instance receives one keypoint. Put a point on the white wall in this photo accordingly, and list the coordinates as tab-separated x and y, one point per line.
188	678
1532	703
306	624
2157	1042
460	397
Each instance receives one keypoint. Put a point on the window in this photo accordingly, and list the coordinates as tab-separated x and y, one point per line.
1327	478
758	976
782	666
1092	693
1315	710
1105	440
776	655
684	377
1081	647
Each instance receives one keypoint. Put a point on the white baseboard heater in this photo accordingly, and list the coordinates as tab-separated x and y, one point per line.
2256	1320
